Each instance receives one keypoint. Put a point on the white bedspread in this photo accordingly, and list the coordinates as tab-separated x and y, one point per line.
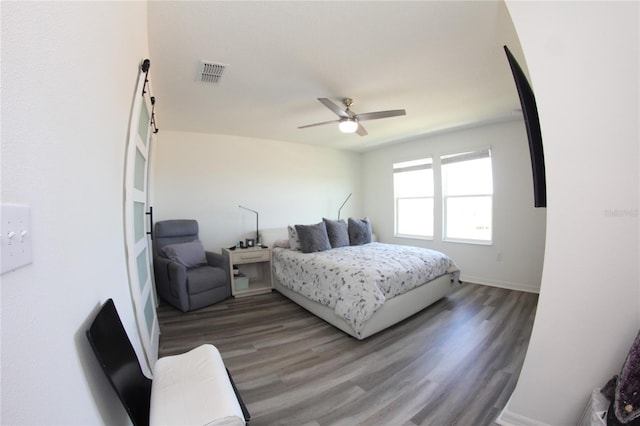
356	280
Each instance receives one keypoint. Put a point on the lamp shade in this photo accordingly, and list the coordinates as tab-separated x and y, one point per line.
348	125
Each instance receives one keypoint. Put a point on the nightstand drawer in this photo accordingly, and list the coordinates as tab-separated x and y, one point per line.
251	256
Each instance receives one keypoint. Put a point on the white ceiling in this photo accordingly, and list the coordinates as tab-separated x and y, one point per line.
442	61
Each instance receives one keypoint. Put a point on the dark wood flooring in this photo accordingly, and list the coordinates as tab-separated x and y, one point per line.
454	363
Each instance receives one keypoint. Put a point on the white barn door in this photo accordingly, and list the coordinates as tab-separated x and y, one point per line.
136	212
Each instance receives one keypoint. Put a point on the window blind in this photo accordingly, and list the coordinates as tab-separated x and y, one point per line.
411	166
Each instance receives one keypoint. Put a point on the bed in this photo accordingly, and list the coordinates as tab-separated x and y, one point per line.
361	289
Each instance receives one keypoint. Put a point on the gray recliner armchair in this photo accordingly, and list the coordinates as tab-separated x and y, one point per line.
187	276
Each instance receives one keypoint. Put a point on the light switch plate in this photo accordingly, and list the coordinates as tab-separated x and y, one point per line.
15	237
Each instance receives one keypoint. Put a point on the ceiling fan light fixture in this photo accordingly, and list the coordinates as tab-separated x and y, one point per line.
348	125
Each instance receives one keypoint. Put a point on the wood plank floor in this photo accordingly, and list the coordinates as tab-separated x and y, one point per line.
454	363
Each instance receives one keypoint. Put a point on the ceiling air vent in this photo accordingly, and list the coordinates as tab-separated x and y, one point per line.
211	72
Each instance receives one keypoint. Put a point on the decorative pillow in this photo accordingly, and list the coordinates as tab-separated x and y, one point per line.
359	231
282	243
294	241
189	254
313	237
337	232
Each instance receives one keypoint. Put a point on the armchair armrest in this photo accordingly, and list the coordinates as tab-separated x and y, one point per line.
170	277
177	275
168	271
219	261
161	271
216	259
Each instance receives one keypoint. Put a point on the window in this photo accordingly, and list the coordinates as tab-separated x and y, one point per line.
467	196
413	193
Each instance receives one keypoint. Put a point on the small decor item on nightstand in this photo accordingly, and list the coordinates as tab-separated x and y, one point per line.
250	242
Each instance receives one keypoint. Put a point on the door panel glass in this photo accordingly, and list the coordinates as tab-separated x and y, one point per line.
149	313
138	220
142	269
144	123
139	175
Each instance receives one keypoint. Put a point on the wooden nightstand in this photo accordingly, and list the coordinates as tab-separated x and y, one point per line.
255	265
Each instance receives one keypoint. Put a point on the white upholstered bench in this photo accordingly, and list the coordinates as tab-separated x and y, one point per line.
193	388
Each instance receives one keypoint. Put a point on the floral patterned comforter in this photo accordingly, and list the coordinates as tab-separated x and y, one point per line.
356	280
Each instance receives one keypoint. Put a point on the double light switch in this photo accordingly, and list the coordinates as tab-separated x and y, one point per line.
15	237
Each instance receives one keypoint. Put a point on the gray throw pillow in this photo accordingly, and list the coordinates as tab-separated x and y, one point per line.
337	232
189	254
313	237
359	231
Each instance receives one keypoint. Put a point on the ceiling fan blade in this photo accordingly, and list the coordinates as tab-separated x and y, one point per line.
318	124
333	107
380	114
361	131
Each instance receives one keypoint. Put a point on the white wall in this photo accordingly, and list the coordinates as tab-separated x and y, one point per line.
68	75
583	61
519	228
205	177
68	72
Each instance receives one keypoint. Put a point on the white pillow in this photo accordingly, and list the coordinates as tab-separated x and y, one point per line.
269	236
294	241
282	244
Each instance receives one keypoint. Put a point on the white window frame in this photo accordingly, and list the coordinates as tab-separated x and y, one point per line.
406	166
467	155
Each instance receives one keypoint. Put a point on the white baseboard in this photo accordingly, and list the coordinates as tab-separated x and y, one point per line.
501	284
507	418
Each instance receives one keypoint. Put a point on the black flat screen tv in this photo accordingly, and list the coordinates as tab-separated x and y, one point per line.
532	123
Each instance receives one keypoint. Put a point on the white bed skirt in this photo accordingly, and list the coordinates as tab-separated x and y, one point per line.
393	311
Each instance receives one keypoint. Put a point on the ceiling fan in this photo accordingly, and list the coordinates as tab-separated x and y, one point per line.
349	122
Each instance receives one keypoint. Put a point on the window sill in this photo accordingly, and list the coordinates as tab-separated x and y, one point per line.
472	242
413	237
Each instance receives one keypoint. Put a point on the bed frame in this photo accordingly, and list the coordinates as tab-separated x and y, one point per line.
391	312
